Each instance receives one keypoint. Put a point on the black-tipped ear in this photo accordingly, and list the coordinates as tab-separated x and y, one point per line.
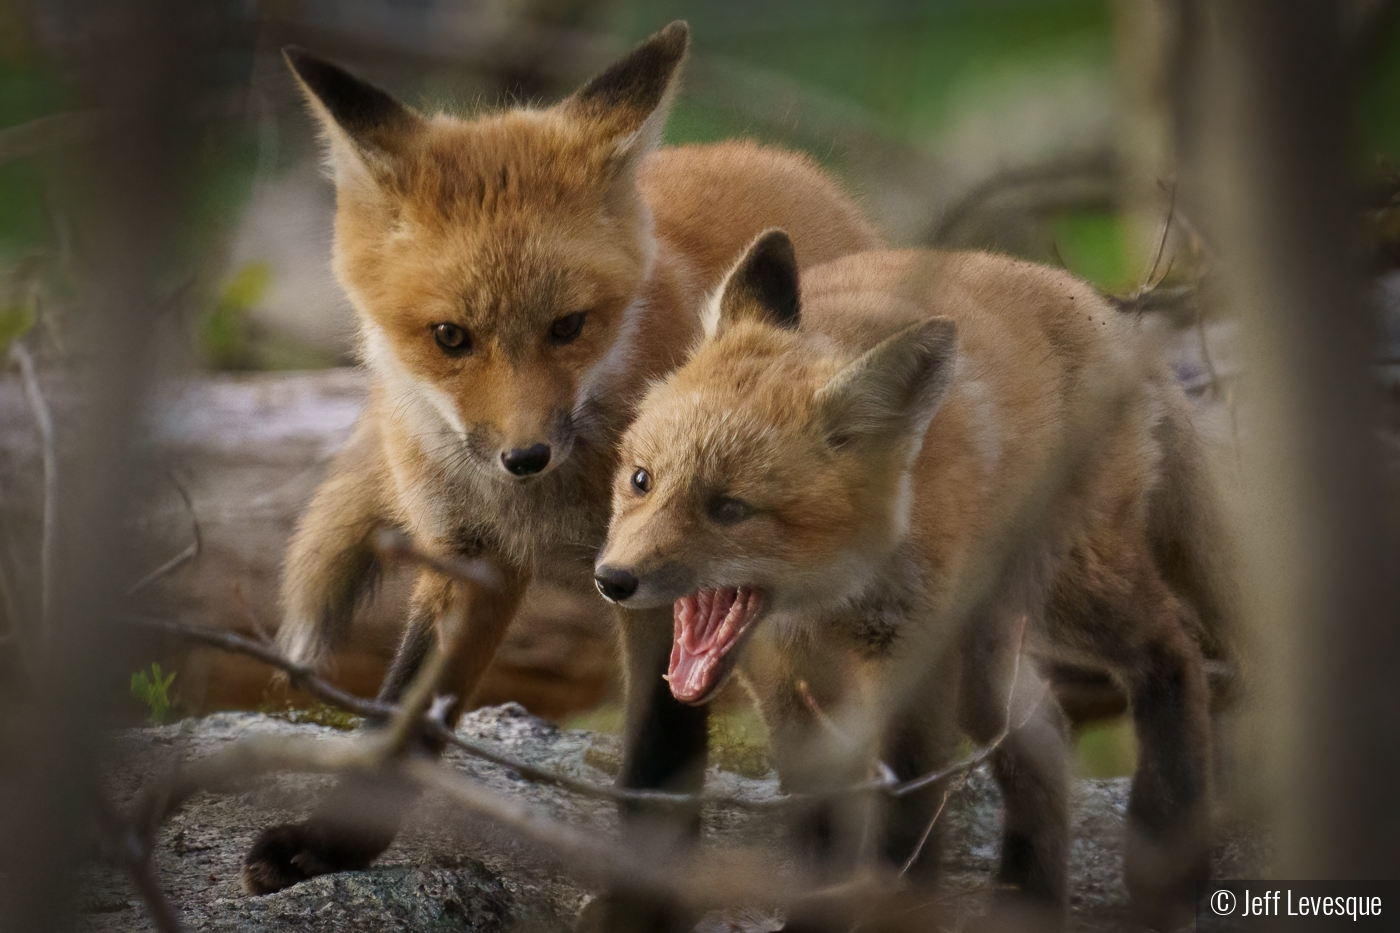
764	285
894	388
371	121
633	92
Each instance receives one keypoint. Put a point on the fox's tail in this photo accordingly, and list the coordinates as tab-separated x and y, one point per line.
331	567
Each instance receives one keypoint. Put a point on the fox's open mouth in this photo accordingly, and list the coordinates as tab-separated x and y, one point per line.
709	624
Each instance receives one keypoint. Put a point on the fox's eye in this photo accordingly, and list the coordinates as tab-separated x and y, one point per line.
729	511
567	328
641	482
453	339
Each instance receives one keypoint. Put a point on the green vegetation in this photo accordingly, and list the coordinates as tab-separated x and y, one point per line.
226	334
15	322
1105	749
1091	245
153	689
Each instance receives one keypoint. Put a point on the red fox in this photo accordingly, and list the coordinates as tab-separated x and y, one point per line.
845	469
518	278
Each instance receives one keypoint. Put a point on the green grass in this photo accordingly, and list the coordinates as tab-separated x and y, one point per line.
1105	750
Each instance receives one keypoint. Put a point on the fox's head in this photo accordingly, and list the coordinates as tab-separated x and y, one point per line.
769	472
495	263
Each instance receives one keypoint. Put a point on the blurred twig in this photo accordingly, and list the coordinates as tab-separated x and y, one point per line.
43	420
307	679
133	853
1051	176
41	135
196	545
633	864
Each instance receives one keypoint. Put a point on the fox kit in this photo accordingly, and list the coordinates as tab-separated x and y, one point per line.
873	492
518	279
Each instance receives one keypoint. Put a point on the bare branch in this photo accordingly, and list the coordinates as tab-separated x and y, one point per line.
737	875
196	546
46	133
1094	169
1147	282
43	420
306	679
134	855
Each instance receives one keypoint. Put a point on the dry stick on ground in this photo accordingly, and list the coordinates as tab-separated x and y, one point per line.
43	420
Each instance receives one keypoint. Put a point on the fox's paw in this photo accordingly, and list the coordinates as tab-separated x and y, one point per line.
284	855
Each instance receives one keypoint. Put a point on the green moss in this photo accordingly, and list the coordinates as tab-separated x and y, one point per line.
318	714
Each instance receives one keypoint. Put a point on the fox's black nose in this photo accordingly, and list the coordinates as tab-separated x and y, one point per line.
527	461
615	584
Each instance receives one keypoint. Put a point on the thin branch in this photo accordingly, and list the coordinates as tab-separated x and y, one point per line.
1161	245
928	831
43	420
632	863
305	678
43	134
1095	168
133	853
14	637
196	546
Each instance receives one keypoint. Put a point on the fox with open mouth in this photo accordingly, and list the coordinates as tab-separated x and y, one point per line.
880	487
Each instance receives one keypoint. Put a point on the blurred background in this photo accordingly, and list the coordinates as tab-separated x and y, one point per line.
1049	129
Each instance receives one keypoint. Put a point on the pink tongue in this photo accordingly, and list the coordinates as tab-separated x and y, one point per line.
708	624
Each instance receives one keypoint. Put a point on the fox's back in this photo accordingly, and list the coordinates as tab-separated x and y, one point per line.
1049	377
709	202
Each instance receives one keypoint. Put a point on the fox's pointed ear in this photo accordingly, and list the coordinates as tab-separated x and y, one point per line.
366	127
763	286
894	388
629	101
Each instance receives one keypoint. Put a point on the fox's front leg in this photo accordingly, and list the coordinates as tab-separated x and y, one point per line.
664	747
814	755
1002	697
362	814
331	567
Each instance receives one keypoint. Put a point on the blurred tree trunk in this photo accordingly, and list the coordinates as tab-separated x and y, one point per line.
1273	148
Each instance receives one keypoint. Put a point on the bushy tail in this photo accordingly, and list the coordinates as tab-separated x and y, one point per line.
331	567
